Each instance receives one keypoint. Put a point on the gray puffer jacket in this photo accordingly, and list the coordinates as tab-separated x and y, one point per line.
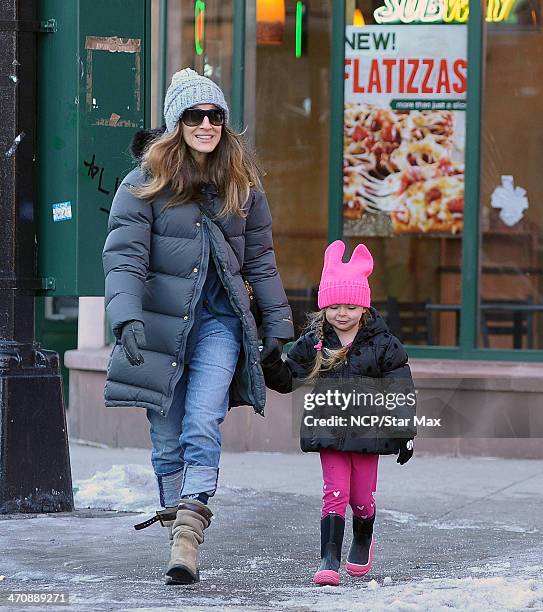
155	263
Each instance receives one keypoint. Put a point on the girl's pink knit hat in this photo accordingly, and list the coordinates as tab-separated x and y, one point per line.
345	283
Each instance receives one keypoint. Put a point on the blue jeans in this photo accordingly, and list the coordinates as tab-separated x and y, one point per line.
187	442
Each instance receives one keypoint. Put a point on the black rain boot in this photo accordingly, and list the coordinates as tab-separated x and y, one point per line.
360	555
332	529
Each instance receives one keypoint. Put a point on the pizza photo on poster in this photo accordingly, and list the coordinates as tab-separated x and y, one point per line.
404	129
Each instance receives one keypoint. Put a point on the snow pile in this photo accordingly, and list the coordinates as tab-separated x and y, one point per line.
129	487
435	595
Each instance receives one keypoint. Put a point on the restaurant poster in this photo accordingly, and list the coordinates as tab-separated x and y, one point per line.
404	129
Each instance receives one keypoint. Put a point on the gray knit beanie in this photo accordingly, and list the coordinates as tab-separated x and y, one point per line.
188	89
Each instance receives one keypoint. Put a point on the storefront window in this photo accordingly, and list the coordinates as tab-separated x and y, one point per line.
287	114
511	259
200	36
403	164
404	148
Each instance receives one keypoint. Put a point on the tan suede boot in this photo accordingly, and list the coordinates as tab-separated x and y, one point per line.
192	519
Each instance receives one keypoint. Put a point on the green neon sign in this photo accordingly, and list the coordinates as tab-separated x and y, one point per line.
299	16
199	11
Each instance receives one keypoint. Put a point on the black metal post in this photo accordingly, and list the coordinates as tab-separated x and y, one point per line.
34	458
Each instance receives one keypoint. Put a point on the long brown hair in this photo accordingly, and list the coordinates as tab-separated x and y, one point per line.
170	164
327	359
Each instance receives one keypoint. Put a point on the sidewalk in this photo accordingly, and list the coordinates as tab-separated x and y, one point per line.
452	533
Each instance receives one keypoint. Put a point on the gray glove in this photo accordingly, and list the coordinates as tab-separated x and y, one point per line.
132	339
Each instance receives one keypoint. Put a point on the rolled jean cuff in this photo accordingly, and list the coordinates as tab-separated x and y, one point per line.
199	479
169	488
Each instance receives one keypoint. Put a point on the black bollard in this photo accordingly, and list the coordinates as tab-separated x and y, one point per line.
34	457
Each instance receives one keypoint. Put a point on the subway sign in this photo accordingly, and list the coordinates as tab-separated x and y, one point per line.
438	11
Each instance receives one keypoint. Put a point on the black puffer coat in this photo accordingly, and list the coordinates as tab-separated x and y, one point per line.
376	360
155	263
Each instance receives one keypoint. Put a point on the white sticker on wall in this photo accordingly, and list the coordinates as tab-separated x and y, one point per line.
511	200
62	211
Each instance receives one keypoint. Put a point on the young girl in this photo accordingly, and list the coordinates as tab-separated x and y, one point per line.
346	339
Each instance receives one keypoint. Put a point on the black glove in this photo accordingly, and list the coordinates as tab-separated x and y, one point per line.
406	451
132	339
273	347
272	360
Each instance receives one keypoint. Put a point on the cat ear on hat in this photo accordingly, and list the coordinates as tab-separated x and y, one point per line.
334	253
362	259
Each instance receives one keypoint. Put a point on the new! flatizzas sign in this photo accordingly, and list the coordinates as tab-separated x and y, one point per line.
405	93
385	60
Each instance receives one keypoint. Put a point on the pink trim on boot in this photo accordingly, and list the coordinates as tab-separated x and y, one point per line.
326	578
356	570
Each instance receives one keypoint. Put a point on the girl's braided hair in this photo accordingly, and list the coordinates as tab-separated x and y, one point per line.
327	359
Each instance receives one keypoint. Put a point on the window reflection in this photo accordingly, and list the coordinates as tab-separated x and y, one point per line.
287	111
215	61
511	306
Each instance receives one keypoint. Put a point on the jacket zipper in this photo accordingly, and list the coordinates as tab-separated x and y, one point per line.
199	284
221	271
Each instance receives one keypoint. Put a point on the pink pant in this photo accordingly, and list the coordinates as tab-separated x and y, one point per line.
349	478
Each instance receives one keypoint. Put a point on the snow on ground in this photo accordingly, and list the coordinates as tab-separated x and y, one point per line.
491	586
405	518
128	487
132	488
470	594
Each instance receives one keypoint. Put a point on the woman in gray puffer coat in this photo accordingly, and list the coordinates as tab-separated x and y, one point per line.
187	228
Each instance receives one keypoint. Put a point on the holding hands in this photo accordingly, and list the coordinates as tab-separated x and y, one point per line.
273	347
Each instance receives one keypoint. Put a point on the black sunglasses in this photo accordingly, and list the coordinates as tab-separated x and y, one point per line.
195	116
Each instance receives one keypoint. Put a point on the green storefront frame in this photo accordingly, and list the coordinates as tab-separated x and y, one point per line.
467	348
